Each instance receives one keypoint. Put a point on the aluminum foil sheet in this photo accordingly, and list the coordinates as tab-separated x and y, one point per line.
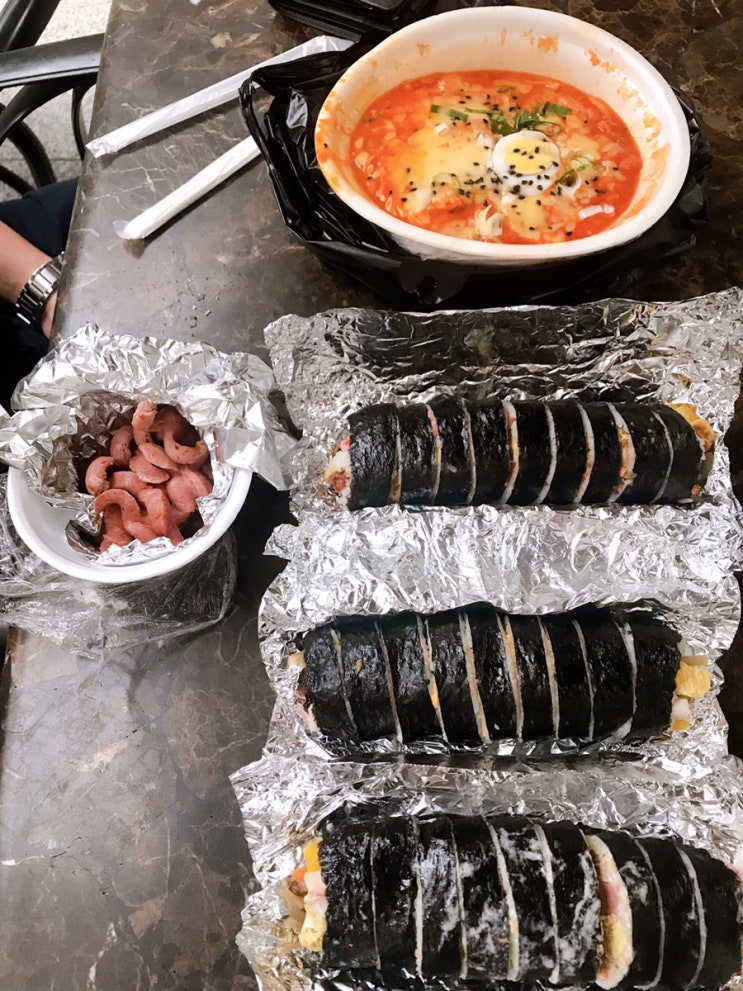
91	617
283	800
522	559
90	383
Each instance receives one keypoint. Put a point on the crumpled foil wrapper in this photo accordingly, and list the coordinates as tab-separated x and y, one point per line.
679	560
90	383
89	617
283	801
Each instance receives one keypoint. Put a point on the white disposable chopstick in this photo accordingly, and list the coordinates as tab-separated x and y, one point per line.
196	187
205	99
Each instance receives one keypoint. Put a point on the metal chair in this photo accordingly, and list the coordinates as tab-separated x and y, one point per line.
40	73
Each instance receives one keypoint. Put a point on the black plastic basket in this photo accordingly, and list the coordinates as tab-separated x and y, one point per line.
354	18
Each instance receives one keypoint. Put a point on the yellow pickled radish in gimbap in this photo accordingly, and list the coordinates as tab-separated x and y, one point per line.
500	897
460	452
472	676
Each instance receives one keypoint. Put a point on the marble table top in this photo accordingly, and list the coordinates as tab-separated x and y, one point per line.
122	860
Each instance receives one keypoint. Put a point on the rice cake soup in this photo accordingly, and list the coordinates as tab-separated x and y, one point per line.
505	157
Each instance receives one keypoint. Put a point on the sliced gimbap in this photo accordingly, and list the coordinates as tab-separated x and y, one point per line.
523	852
509	898
537	453
366	679
493	443
323	683
402	641
577	904
612	676
394	842
573	454
449	664
438	908
474	675
535	678
458	452
644	901
420	462
456	467
485	913
683	914
572	674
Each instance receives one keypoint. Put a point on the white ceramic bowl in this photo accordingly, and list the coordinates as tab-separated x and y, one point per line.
42	528
526	39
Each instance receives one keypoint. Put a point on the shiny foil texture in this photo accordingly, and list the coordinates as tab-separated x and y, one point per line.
533	560
90	383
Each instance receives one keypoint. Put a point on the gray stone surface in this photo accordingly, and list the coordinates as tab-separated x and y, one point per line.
122	861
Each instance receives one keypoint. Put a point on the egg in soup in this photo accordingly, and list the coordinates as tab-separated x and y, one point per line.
496	156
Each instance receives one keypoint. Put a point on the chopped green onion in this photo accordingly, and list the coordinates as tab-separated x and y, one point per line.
449	111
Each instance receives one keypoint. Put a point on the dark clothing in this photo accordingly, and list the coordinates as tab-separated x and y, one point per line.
43	218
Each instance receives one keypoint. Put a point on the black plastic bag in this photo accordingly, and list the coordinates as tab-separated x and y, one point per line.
284	131
354	18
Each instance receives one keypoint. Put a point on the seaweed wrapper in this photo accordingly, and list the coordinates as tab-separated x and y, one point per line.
678	560
283	801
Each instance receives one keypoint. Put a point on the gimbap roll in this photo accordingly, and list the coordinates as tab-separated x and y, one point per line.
577	904
402	638
486	926
367	680
453	444
535	433
494	444
511	898
567	452
394	842
420	461
573	453
683	914
471	676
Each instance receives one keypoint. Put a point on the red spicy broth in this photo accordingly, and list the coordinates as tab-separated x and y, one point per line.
505	157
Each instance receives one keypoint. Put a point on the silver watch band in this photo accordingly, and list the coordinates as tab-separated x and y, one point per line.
38	289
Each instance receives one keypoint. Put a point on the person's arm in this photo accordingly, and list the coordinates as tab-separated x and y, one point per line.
18	260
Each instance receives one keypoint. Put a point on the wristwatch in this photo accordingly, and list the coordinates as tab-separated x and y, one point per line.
38	289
